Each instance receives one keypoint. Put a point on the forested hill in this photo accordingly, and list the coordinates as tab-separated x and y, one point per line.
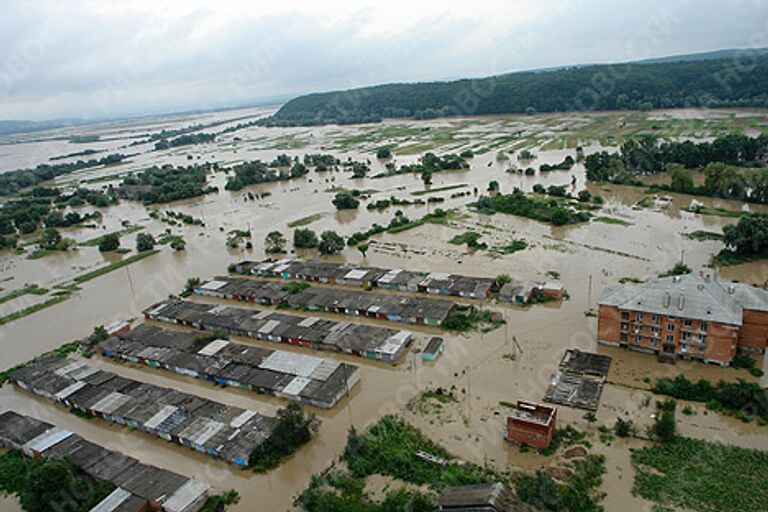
729	82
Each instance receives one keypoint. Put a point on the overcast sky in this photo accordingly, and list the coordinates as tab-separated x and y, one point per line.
104	58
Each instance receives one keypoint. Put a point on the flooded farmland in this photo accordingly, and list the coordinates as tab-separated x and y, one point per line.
643	236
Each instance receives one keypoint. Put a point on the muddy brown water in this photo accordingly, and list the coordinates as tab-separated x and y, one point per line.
587	258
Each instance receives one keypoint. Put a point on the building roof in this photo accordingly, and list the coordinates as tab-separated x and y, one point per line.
482	497
688	296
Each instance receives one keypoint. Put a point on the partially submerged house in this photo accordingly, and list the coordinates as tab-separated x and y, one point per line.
368	341
532	424
138	487
433	349
688	317
494	497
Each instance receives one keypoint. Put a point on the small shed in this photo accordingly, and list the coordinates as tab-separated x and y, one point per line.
480	498
433	349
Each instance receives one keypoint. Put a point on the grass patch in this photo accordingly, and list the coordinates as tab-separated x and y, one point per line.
220	502
511	248
702	236
741	398
581	493
612	220
389	447
33	308
94	242
114	266
309	219
438	189
632	280
703	476
466	318
719	212
29	289
469	238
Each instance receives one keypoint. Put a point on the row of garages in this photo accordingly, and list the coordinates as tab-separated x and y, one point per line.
369	341
372	277
138	487
222	431
390	307
311	380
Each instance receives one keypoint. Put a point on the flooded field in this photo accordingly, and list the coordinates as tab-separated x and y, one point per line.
644	237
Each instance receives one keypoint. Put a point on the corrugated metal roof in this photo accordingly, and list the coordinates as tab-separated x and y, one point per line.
186	495
213	285
291	363
357	273
242	419
269	326
114	500
213	347
296	386
160	416
111	403
72	388
687	296
46	440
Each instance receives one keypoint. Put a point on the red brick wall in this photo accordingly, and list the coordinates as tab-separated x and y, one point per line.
754	331
721	342
537	436
608	323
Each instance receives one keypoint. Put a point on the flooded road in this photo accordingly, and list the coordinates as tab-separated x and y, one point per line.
585	258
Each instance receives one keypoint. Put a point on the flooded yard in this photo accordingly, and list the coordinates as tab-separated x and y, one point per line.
484	369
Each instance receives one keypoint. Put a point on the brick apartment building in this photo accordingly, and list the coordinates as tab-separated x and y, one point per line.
532	424
689	316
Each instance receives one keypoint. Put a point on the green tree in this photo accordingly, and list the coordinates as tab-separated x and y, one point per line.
682	179
758	182
724	181
330	243
749	235
144	242
275	242
493	186
109	242
383	153
50	239
304	238
665	427
426	177
345	201
363	248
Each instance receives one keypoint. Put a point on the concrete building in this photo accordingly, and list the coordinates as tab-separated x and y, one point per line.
532	424
139	487
689	317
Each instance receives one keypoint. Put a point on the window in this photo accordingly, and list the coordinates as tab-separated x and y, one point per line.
704	326
670	338
655	319
639	317
637	339
655	330
623	337
688	323
624	327
686	335
670	326
625	315
654	342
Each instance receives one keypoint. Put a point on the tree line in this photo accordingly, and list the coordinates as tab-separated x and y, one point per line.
634	86
13	181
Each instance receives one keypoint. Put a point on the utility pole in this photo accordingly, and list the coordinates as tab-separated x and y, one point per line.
589	292
469	396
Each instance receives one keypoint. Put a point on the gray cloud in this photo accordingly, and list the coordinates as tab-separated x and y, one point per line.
87	59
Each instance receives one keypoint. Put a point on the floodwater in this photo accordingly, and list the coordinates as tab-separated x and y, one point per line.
586	258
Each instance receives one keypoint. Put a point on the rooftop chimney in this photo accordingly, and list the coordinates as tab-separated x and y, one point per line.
681	301
731	289
667	299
